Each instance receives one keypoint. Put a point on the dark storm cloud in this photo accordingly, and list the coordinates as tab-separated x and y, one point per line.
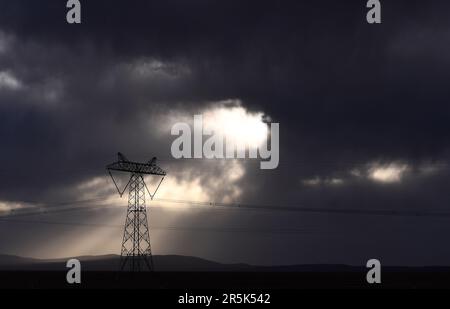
344	92
333	81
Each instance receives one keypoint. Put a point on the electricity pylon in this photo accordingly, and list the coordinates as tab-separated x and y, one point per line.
136	253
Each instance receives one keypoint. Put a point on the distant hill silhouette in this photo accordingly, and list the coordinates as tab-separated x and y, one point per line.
111	263
161	262
179	263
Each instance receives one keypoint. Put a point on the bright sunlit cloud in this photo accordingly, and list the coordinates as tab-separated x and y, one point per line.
227	118
6	206
390	173
183	184
317	181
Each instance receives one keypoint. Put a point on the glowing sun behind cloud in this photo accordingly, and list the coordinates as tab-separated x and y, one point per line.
237	124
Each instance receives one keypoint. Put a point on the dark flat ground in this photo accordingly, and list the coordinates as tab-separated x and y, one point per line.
225	280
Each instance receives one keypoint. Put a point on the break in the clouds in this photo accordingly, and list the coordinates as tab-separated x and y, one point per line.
363	113
9	82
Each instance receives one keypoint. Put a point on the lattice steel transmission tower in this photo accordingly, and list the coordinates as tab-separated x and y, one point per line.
136	253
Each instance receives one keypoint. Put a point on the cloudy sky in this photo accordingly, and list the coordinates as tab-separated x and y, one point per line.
363	112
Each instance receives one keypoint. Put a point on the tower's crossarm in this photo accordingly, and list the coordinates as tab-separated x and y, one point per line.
135	167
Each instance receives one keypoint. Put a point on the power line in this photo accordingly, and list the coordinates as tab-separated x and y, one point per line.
347	211
68	206
53	209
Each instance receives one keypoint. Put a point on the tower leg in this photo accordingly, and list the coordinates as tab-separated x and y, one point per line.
136	254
